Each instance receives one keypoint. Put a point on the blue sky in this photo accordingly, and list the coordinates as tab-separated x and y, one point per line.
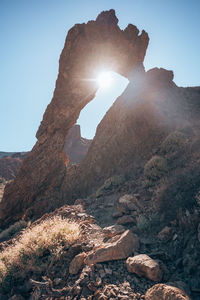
33	34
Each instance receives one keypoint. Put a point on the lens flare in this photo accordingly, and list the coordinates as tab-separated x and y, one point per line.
104	80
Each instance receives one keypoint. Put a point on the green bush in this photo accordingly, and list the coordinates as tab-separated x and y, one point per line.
173	143
155	168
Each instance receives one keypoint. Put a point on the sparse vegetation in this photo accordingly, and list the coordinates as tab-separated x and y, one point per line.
179	191
173	142
34	251
12	230
147	223
109	183
142	223
155	168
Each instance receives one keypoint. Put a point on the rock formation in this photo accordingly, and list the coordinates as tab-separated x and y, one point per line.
129	135
88	48
75	146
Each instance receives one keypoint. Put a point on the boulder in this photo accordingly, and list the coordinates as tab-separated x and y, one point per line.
126	199
119	247
126	219
166	234
76	263
130	202
113	230
143	265
165	292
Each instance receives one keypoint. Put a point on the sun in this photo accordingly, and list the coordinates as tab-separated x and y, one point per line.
104	79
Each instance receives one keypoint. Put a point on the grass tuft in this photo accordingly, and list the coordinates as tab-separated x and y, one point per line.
35	250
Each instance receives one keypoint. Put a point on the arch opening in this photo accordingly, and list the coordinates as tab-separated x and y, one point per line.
111	86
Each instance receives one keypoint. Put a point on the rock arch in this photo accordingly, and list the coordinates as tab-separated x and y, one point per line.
88	48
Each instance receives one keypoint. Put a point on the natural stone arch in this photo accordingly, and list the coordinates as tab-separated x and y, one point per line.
88	48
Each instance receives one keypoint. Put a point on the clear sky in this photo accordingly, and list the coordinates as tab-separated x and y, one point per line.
32	36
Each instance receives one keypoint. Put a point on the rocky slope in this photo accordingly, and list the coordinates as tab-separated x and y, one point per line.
98	263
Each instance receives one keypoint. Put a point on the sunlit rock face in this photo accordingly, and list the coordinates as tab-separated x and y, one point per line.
43	180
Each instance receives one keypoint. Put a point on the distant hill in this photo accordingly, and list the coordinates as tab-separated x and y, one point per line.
75	147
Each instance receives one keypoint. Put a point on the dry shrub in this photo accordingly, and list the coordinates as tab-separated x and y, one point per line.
35	250
179	191
155	168
173	143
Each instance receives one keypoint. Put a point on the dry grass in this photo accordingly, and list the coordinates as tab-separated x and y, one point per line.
34	251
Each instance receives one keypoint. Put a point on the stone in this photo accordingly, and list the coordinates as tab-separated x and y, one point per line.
129	202
126	219
108	271
76	147
113	230
166	234
76	263
165	292
16	297
119	247
117	214
198	233
57	281
126	199
144	266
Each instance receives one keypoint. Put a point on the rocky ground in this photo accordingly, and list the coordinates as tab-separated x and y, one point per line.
119	254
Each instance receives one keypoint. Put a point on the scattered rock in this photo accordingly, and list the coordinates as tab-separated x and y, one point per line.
199	232
165	292
77	263
117	214
16	297
57	281
126	199
143	265
113	230
126	219
119	248
166	234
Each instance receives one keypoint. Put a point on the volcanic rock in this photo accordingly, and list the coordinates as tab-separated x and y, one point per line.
126	219
166	234
119	247
165	292
77	263
75	146
87	49
113	230
143	265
